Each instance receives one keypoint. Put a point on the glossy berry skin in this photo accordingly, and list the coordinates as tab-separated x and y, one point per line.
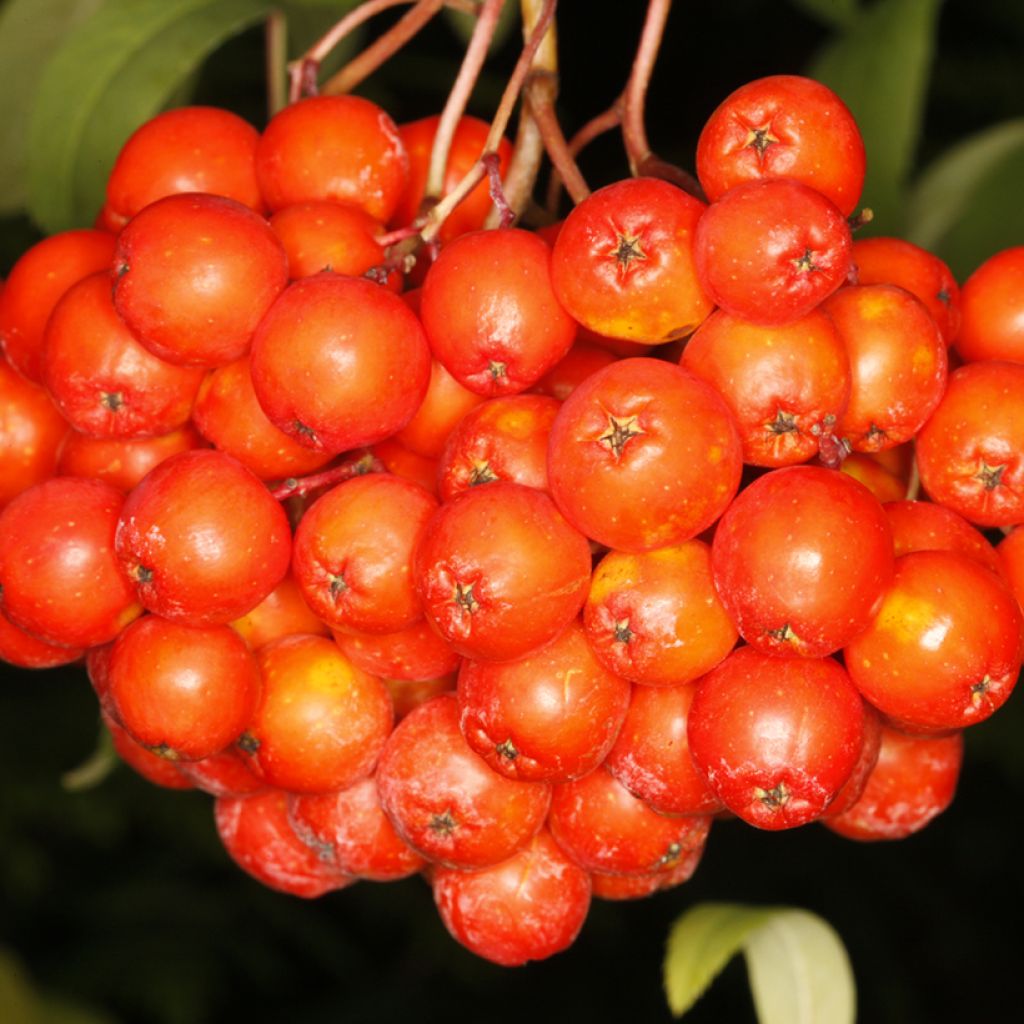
59	577
416	652
351	829
228	414
31	432
783	126
776	738
194	274
342	148
770	251
27	651
896	261
970	453
500	572
851	790
637	887
222	774
353	553
321	722
1011	563
801	560
787	385
103	381
623	264
35	284
183	692
944	649
444	800
203	539
642	455
506	438
258	837
651	756
898	364
924	526
603	827
444	404
324	235
578	364
282	612
914	779
993	312
490	312
339	362
152	767
468	143
189	149
529	907
121	462
551	716
655	617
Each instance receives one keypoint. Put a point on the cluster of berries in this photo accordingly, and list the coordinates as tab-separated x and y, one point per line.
522	577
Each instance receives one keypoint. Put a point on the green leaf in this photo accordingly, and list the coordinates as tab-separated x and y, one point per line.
880	67
114	72
946	191
836	12
701	943
799	971
29	32
17	1001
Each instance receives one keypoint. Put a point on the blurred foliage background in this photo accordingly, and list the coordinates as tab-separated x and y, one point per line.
117	904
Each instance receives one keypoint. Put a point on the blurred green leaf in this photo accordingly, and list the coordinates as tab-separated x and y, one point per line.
17	1003
701	943
799	971
29	32
115	71
835	12
880	67
958	181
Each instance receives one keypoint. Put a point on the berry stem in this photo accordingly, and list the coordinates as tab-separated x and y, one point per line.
276	36
356	464
384	46
596	126
458	97
642	160
513	88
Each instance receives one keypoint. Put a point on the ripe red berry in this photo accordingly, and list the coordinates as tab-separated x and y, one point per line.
202	539
500	572
801	559
623	264
59	576
194	275
343	148
992	309
783	126
528	907
776	738
445	801
183	692
339	362
642	455
490	312
769	251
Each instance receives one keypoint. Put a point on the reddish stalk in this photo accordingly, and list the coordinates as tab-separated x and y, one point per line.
642	160
303	72
513	88
385	46
353	465
458	97
276	47
540	95
596	126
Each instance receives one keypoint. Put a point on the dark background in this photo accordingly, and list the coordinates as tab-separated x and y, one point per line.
119	899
